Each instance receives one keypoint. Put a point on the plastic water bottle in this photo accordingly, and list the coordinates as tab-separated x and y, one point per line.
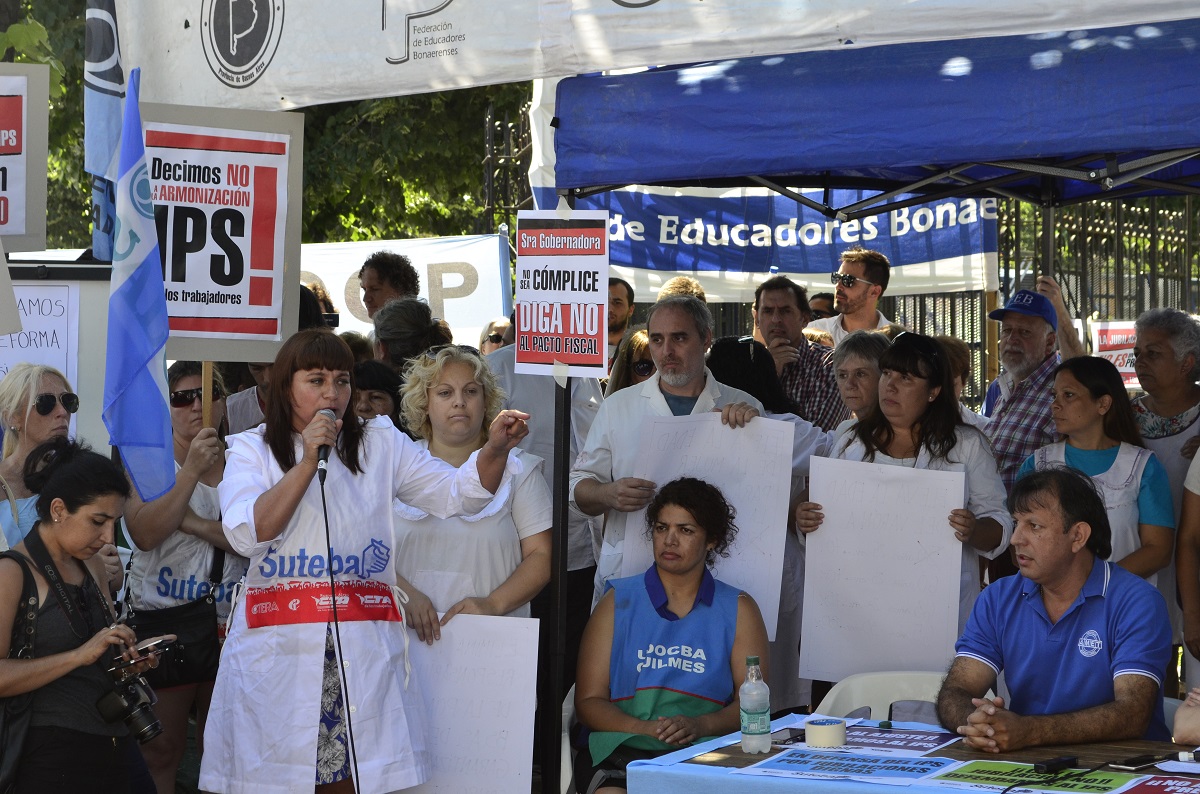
755	702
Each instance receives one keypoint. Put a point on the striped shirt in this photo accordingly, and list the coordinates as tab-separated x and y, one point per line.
1020	418
810	383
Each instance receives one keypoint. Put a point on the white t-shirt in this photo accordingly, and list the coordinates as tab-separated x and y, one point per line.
833	326
460	557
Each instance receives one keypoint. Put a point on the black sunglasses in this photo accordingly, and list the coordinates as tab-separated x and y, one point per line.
44	403
495	339
185	397
848	280
643	368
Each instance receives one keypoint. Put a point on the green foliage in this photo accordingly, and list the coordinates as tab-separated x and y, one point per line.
400	167
52	33
386	168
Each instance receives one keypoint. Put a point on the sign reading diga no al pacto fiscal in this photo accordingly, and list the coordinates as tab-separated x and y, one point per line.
562	292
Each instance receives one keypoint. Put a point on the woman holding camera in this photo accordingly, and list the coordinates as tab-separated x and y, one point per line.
307	695
180	546
69	745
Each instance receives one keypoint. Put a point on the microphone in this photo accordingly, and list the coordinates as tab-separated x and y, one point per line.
323	451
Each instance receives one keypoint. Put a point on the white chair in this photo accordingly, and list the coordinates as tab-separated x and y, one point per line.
879	691
566	774
1170	706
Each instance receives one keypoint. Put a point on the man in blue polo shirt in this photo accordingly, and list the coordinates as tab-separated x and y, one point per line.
1083	644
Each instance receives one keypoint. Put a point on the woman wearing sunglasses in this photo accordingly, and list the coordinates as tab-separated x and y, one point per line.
917	424
491	563
178	537
36	404
632	364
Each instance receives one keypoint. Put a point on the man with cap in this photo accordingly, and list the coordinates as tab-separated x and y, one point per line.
1018	401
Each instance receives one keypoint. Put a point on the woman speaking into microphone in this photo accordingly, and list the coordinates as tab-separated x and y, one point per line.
314	690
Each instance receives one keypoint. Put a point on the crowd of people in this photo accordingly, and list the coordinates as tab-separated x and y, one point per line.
416	474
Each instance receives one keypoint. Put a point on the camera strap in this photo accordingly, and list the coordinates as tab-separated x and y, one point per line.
41	558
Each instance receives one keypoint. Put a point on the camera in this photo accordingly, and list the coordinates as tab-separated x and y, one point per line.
130	701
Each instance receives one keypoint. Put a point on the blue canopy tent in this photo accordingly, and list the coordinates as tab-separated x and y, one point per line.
1052	119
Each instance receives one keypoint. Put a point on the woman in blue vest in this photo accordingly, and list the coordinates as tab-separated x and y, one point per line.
664	653
1100	438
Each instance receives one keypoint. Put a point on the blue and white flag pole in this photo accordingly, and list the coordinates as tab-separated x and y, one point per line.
135	378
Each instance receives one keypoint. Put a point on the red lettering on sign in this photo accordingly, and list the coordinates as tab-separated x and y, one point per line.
11	124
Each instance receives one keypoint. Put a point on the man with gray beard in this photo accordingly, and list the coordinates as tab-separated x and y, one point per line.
680	330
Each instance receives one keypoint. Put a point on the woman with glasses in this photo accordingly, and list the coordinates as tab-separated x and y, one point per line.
491	338
917	425
1100	438
632	364
36	404
179	545
278	719
491	563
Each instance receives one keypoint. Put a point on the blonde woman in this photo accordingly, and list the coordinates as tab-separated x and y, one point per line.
491	563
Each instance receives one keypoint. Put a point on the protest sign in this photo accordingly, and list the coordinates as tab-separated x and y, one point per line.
225	187
896	741
884	532
1164	784
562	293
752	467
1114	340
478	683
49	328
24	118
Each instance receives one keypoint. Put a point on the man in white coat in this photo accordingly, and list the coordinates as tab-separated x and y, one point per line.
680	329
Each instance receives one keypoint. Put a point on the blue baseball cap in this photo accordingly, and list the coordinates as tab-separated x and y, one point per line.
1031	303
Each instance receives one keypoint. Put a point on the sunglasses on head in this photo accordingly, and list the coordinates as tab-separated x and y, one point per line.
44	403
185	397
925	349
643	368
432	353
848	280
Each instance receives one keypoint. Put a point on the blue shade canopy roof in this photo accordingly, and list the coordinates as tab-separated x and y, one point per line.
1049	118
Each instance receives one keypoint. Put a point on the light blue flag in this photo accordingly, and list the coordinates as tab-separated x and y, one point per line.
135	378
103	93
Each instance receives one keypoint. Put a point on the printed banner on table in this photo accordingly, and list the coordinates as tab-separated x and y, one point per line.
1114	340
1165	784
896	741
562	293
996	776
220	204
24	113
825	765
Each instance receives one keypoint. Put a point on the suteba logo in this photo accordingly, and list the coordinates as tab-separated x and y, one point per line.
373	559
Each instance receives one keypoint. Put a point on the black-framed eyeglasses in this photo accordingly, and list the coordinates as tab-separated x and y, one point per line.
185	397
821	314
847	280
643	368
44	403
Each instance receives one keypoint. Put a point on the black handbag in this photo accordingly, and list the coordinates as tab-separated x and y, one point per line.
16	712
193	657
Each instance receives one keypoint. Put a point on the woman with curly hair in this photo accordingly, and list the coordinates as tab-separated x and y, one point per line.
664	653
491	563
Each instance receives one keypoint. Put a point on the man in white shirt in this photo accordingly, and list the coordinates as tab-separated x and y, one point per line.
861	281
680	329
